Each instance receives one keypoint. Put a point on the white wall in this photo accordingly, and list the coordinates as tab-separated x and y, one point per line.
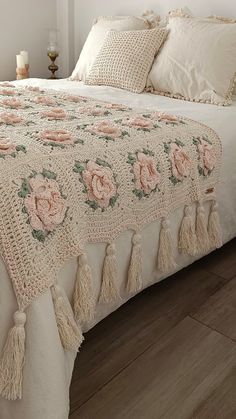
87	10
24	25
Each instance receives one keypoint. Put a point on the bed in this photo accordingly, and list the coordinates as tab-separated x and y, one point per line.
48	368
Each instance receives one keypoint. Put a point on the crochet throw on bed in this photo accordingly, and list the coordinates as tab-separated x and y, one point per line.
75	170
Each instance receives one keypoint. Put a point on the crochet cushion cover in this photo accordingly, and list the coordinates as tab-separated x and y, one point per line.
125	59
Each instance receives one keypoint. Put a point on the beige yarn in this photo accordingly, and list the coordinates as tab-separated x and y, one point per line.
126	58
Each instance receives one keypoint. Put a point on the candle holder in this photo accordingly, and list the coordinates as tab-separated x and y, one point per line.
22	73
53	67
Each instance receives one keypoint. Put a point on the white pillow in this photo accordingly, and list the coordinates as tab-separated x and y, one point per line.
125	59
197	62
96	39
223	19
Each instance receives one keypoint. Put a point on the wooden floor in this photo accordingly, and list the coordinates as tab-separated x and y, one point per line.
168	353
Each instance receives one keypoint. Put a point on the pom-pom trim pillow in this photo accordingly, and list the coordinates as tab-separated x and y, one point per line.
125	59
197	62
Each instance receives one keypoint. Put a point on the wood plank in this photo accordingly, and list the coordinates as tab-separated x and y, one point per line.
174	378
221	262
221	402
127	333
219	311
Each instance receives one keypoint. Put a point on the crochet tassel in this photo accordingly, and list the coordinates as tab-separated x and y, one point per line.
13	358
165	260
214	228
70	333
134	283
109	290
84	303
201	230
187	236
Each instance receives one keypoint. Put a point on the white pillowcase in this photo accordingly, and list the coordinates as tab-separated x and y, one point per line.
197	62
97	37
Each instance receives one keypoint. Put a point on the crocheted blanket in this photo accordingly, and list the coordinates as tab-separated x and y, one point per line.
76	170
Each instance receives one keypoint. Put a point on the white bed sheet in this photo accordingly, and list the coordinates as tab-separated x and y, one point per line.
48	368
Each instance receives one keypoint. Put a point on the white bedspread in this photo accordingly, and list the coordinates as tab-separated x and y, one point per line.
48	369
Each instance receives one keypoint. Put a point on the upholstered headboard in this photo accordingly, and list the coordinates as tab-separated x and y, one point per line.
81	14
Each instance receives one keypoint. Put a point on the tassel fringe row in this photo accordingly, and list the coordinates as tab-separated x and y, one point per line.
193	236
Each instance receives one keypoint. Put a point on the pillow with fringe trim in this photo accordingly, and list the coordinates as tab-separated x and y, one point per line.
199	58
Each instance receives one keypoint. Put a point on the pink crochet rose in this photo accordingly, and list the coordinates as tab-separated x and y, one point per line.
45	100
165	117
181	163
7	92
145	171
91	110
45	205
106	128
6	146
33	88
57	136
10	118
74	98
100	183
140	122
207	156
12	103
6	84
56	113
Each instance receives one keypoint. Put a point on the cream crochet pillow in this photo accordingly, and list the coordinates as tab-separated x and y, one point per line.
125	59
197	62
97	37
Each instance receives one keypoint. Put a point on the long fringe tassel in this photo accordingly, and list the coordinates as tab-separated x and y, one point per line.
134	282
165	259
13	358
201	230
70	333
214	227
109	290
84	302
187	236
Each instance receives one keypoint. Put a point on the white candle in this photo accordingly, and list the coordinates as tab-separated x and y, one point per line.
20	63
25	55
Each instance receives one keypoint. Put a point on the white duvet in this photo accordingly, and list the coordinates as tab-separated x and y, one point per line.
48	368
